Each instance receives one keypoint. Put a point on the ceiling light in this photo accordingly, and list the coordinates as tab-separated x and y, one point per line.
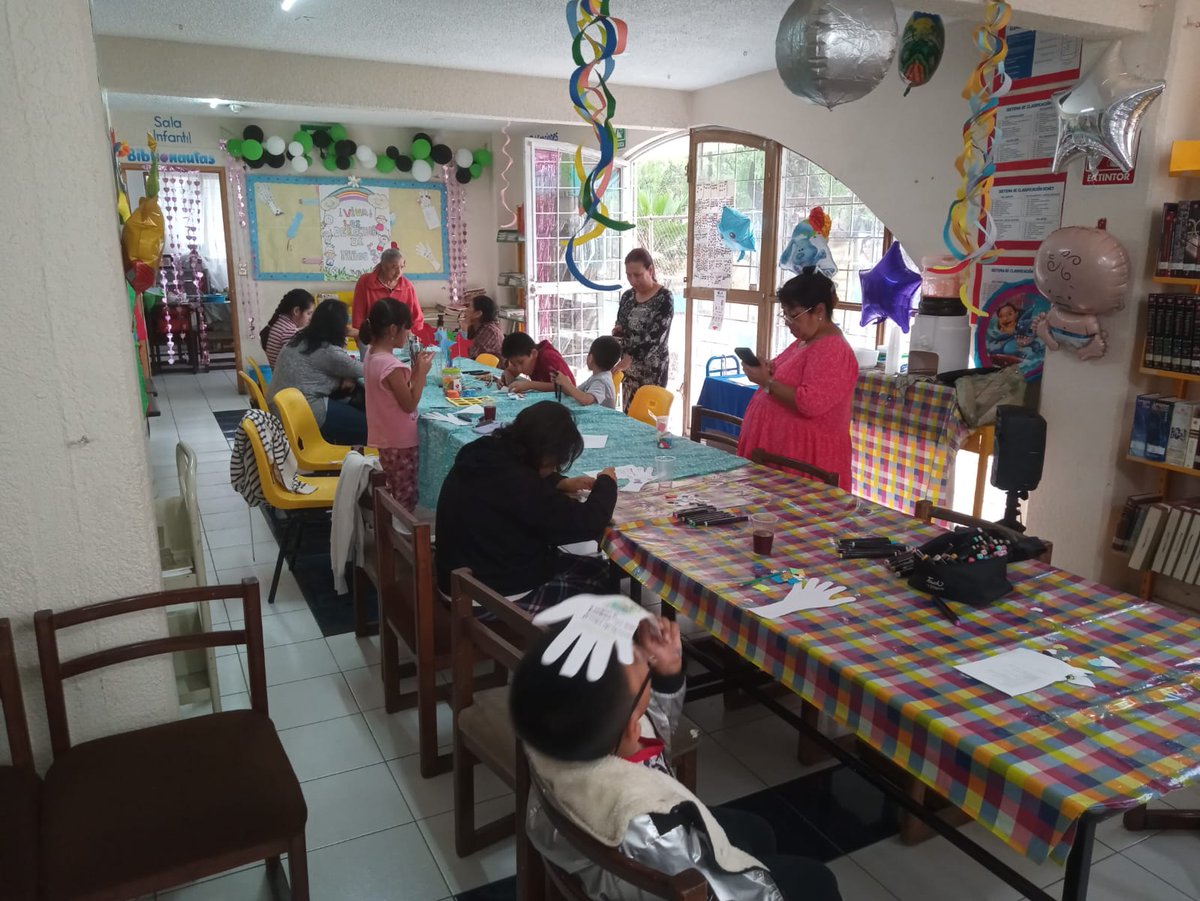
286	5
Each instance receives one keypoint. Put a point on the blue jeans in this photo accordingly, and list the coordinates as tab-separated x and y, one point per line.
343	423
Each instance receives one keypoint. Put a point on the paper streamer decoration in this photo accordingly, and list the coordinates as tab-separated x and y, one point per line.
970	232
508	161
590	24
456	228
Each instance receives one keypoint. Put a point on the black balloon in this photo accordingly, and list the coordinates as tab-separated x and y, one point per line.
441	154
421	135
404	163
393	151
321	138
256	164
462	176
343	162
252	133
274	160
344	147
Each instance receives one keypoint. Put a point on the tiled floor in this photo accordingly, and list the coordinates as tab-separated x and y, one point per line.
377	830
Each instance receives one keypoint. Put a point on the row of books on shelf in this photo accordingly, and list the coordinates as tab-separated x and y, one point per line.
1179	242
1161	537
1166	430
1172	336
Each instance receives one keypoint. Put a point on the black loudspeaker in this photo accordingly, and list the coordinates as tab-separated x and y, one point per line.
1019	449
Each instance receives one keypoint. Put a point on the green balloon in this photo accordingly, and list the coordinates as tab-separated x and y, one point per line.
338	132
421	149
303	138
476	170
386	164
252	150
234	146
483	156
331	163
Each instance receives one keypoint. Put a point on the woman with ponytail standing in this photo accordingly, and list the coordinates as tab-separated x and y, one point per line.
393	393
292	314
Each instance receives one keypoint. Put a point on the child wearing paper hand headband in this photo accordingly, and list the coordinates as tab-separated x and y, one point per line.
599	751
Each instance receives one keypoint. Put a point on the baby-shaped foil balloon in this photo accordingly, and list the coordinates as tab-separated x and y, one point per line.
1084	273
144	232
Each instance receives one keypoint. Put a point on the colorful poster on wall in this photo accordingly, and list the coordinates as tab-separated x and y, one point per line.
1027	208
712	261
1026	131
356	227
1005	337
1041	57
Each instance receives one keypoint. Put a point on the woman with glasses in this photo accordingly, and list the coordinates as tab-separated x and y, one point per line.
802	408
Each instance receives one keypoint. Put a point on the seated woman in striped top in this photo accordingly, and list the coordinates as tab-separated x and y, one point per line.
292	314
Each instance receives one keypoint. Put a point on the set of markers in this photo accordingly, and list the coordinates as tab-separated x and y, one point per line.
982	547
707	515
868	547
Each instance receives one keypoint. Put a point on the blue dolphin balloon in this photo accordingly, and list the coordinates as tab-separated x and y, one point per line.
736	231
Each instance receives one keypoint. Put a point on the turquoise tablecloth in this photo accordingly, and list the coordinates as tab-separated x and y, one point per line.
629	441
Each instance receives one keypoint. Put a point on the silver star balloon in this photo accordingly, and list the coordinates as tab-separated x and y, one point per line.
1101	116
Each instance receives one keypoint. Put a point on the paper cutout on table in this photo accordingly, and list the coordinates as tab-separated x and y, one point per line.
1103	662
718	310
594	442
712	261
435	416
598	625
1022	670
486	428
811	594
629	477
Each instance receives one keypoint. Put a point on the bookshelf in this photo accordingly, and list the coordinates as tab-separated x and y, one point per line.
1167	467
1193	283
515	278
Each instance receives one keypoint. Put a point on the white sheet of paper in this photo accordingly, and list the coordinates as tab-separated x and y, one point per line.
473	410
1021	671
629	477
594	442
435	416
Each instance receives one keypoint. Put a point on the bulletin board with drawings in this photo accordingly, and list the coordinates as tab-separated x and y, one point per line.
332	229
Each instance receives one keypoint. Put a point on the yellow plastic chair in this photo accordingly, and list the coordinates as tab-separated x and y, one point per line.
258	374
313	452
302	508
618	377
257	400
488	360
650	401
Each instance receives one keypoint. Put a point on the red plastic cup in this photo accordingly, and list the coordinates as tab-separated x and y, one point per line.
489	413
762	531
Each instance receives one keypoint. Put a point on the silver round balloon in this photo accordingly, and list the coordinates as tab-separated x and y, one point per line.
835	51
1101	116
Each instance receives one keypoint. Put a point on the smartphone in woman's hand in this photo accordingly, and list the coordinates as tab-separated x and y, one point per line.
746	355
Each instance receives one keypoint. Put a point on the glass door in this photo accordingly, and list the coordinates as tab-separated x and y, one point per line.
739	171
560	309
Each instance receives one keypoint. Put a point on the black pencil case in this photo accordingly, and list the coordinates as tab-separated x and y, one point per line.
976	583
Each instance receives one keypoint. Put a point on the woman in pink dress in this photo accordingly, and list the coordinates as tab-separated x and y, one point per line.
802	409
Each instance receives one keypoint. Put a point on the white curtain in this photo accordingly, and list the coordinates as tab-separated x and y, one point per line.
210	228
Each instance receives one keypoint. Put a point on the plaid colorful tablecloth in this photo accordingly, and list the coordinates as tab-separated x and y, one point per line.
905	434
1024	767
629	442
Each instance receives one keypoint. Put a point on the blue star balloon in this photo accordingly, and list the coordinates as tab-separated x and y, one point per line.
888	289
736	231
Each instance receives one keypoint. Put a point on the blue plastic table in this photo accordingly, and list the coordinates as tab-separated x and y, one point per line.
726	394
629	441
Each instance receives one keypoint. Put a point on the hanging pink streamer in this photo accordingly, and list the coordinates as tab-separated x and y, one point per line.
246	290
456	234
508	161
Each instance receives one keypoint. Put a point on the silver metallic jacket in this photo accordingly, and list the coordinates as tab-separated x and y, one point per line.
681	848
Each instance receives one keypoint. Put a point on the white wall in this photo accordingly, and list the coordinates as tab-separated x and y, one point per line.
76	516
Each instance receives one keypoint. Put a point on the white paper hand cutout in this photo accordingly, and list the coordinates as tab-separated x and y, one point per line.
426	252
598	625
811	594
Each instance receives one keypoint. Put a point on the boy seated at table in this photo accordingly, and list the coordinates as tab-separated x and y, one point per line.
598	388
535	361
600	751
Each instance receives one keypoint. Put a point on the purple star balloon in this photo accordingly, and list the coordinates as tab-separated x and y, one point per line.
888	289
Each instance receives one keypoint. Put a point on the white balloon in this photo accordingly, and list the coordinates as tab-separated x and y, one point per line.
370	160
296	148
363	153
421	170
464	157
299	163
275	145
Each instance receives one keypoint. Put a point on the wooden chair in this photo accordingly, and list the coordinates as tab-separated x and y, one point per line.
20	787
650	401
538	879
483	732
367	574
927	512
713	437
762	457
142	811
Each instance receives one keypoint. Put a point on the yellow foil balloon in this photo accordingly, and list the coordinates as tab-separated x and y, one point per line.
144	231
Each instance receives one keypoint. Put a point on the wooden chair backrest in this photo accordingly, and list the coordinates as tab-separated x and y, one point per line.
758	455
926	511
13	704
699	433
56	671
404	567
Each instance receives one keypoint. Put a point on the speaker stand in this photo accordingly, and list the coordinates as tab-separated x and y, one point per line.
1012	511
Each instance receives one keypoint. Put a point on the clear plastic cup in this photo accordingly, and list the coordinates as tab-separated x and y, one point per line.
762	532
660	423
664	471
